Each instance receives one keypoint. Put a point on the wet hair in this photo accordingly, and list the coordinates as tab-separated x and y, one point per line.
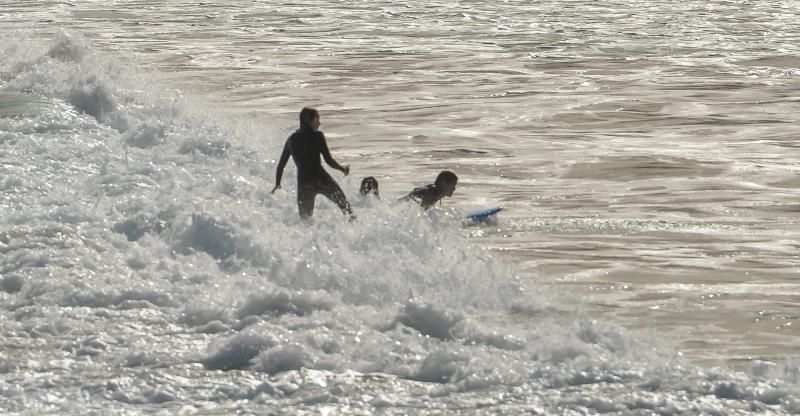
307	115
446	176
369	185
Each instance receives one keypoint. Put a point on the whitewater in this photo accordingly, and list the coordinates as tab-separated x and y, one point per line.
645	263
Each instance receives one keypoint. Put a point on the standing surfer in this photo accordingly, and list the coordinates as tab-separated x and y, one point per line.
305	146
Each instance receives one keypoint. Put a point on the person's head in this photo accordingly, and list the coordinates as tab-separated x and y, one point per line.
369	185
446	181
309	119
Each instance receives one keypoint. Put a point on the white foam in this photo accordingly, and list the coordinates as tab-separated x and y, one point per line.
155	278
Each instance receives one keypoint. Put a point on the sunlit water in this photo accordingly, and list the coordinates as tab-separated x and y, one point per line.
646	260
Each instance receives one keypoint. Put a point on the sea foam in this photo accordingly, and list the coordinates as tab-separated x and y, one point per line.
146	268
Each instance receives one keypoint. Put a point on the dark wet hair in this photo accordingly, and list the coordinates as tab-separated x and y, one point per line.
369	185
446	176
307	115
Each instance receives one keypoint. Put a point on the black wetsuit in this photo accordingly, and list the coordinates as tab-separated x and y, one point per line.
306	146
427	196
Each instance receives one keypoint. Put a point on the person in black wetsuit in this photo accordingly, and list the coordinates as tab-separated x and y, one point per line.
305	146
369	185
429	195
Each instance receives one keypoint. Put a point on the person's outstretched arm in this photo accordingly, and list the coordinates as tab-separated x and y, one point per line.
281	165
424	195
412	196
326	154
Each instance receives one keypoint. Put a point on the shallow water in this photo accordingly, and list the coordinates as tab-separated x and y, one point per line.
644	153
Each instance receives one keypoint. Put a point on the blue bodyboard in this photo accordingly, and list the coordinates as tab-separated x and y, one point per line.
483	214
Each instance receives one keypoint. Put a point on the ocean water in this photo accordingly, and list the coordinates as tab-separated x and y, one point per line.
646	261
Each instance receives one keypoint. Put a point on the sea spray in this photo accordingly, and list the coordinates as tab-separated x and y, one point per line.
190	288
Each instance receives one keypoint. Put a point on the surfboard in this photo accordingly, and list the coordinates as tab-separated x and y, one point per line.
483	214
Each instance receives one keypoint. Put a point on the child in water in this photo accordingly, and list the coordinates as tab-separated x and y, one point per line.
369	185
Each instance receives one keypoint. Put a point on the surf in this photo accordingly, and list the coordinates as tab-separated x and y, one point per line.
144	256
